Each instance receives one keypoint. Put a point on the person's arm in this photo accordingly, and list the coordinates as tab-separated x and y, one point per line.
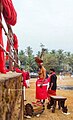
51	85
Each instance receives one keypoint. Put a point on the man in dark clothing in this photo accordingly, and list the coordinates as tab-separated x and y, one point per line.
52	84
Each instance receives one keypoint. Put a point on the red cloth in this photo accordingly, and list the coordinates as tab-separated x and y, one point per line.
18	70
15	41
7	47
27	76
7	70
9	12
23	75
24	79
10	17
2	60
41	92
38	60
50	93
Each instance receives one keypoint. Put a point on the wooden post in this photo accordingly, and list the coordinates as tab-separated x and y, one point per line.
13	54
9	55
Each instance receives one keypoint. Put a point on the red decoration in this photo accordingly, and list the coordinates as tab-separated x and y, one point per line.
9	12
2	61
10	17
15	41
38	60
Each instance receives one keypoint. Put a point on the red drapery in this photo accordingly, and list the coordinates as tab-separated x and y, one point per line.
15	44
10	17
2	61
9	12
15	41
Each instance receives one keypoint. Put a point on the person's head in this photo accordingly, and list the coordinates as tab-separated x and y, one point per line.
52	70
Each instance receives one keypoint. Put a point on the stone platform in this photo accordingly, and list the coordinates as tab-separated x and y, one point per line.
10	96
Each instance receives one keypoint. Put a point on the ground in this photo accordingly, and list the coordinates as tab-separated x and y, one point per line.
47	114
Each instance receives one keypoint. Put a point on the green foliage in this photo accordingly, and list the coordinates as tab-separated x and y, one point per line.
60	60
22	57
27	59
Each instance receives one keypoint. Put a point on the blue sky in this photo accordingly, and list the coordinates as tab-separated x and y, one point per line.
49	22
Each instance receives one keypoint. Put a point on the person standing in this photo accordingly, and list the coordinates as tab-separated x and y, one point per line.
24	85
24	82
52	84
41	84
28	79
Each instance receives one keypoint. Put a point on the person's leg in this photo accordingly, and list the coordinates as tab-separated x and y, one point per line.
24	92
28	84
